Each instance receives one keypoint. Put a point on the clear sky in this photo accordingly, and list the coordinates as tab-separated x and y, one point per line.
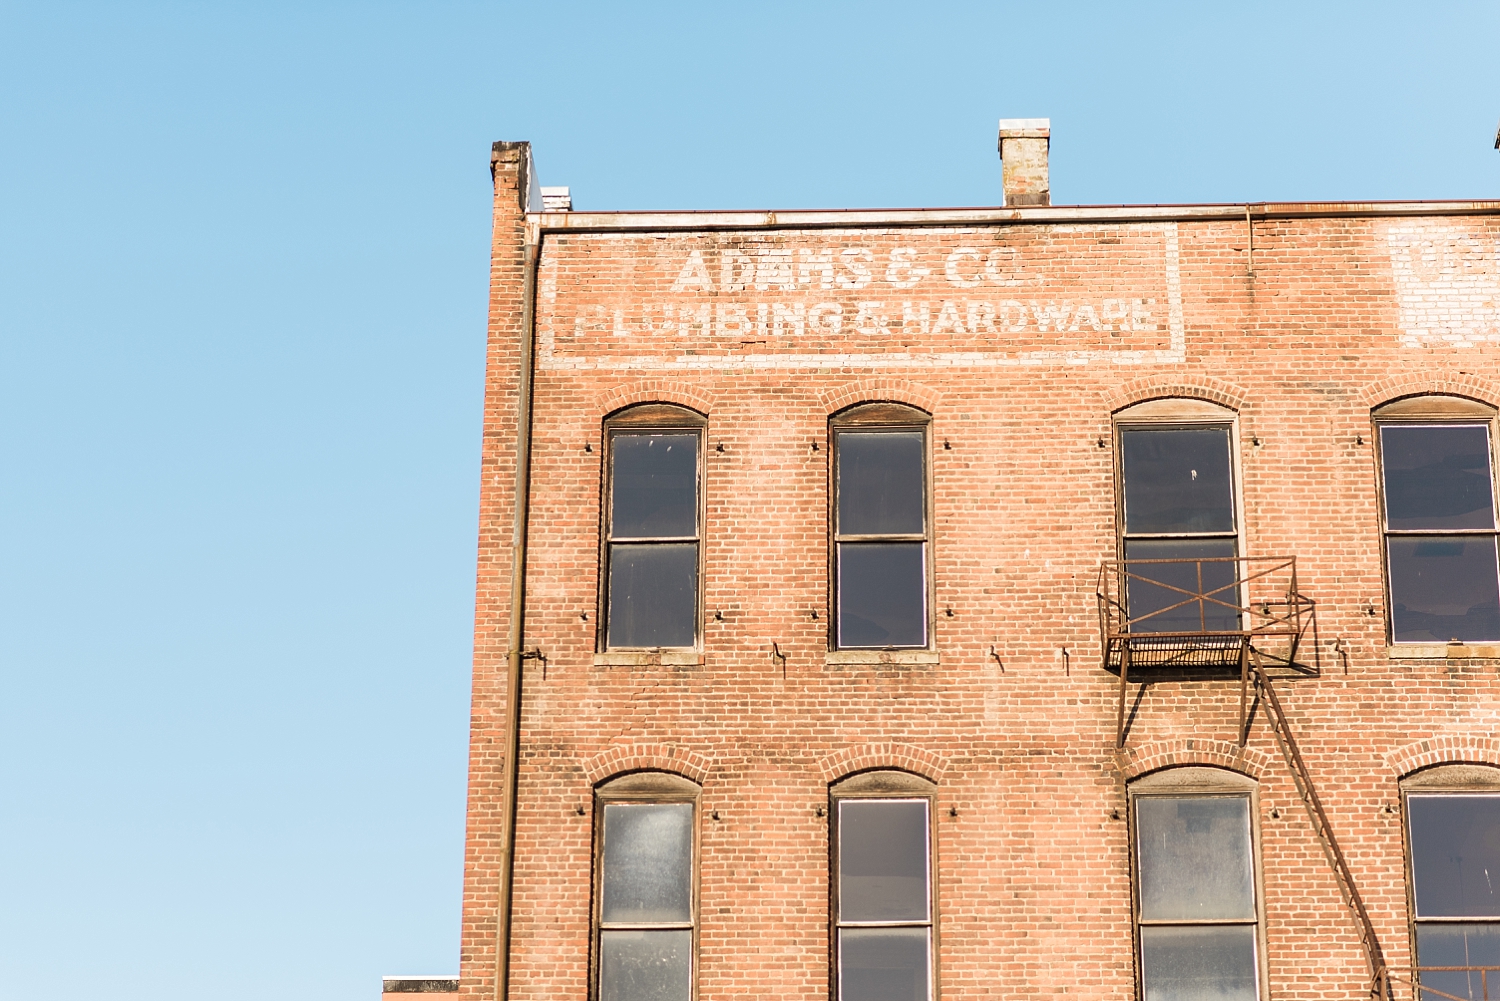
243	258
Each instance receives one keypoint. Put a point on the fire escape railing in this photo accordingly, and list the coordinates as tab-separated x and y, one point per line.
1209	612
1191	612
1427	993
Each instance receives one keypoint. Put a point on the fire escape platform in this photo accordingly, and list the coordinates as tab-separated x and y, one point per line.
1208	613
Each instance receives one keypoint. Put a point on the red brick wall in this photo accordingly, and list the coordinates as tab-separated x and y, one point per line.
1034	884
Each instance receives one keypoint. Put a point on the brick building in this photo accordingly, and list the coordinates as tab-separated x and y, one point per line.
995	602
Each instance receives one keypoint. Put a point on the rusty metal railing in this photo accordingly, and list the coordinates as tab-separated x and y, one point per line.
1426	992
1484	982
1202	612
1206	612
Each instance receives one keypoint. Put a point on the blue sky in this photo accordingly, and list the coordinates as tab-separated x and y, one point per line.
243	259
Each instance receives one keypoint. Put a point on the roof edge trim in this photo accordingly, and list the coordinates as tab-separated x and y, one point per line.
562	222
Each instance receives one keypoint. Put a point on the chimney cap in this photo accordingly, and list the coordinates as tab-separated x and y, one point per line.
1026	128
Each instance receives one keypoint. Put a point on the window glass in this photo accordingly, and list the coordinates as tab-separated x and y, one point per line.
884	899
1455	855
1163	597
1195	857
1177	480
883	860
647	862
1198	963
1437	476
1195	897
882	594
1466	946
645	965
880	483
1455	871
653	595
655	486
883	964
1444	588
1441	558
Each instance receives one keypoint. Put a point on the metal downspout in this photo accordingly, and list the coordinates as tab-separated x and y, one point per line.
514	656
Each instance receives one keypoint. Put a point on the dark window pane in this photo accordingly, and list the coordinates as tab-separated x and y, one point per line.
1455	856
1444	588
880	483
883	860
653	594
1153	588
1195	964
1437	476
655	485
645	965
1195	857
883	964
648	851
1177	480
882	594
1458	945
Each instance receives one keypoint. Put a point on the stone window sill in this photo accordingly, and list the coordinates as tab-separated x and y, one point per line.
1442	651
881	658
649	658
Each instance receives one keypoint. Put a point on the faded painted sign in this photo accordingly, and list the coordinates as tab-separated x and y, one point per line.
883	299
1447	283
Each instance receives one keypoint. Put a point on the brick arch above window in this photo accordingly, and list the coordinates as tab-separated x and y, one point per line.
1444	749
872	757
623	758
682	394
1200	387
880	390
1461	384
1144	758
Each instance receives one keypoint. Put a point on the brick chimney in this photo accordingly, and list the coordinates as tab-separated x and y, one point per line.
1023	158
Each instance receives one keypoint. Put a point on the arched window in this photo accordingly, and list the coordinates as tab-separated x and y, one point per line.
882	528
882	887
1453	878
645	900
1437	507
1175	490
1197	899
653	529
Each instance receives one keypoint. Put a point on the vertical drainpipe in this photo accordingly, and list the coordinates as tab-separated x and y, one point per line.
514	658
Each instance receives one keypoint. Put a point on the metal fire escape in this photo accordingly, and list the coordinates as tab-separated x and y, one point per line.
1196	617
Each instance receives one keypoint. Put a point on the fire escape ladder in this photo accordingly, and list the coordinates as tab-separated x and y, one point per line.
1217	614
1380	977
